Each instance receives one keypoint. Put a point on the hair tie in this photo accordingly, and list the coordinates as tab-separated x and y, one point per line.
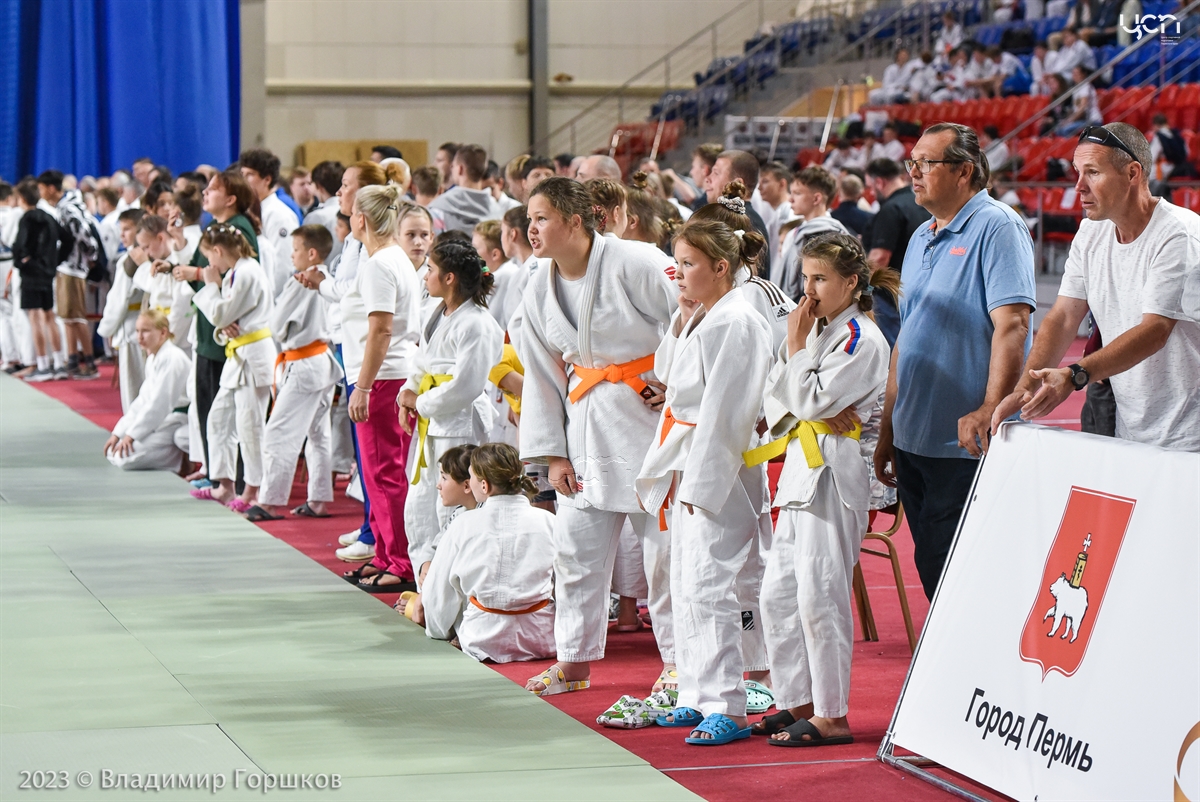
868	290
735	205
393	208
739	233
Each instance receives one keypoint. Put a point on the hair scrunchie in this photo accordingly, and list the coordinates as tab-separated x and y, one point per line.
601	216
735	205
739	233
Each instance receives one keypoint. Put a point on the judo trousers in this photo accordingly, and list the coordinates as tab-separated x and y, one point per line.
806	602
585	548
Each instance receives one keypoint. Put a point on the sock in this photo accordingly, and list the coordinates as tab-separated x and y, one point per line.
43	363
60	359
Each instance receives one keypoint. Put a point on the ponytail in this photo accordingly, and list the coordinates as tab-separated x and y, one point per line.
475	281
500	466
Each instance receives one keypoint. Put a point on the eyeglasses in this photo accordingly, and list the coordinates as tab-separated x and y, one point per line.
1100	135
925	165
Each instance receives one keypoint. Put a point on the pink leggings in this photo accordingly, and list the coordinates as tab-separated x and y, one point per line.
383	447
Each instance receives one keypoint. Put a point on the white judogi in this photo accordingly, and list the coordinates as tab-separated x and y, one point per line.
511	279
713	369
304	393
239	411
769	300
466	345
119	325
501	556
823	513
165	293
155	419
624	301
278	223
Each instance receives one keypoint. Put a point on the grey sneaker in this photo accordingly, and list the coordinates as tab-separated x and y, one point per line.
40	376
61	373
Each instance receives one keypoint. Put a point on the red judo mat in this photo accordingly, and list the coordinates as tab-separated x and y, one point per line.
744	770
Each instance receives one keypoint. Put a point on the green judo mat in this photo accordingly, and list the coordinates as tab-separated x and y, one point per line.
148	638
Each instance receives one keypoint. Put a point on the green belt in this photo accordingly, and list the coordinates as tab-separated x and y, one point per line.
183	409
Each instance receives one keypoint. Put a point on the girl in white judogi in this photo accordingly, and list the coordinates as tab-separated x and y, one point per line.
592	321
237	298
119	321
460	343
774	306
834	358
305	374
491	580
152	434
714	360
153	276
416	239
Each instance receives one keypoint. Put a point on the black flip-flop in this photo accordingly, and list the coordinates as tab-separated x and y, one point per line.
773	723
357	574
257	514
797	731
372	584
305	511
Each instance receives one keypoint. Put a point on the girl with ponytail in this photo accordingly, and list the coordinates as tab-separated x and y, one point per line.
834	364
766	297
460	342
380	311
714	360
490	583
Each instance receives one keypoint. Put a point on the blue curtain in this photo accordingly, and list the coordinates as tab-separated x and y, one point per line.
100	83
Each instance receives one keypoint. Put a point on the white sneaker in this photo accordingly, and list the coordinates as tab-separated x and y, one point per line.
357	552
350	538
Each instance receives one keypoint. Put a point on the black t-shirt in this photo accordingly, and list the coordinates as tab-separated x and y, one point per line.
899	216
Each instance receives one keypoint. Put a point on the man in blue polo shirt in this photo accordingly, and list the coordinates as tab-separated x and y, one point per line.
968	292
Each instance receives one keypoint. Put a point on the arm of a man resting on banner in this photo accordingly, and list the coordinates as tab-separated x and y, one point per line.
1044	385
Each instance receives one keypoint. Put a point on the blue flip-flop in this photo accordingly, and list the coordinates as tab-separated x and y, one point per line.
684	717
200	484
722	729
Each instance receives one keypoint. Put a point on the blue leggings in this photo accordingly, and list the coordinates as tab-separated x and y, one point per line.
365	535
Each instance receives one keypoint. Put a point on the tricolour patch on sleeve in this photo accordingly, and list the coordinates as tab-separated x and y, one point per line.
855	336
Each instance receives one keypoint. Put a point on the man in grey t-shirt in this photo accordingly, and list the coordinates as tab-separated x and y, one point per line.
1128	266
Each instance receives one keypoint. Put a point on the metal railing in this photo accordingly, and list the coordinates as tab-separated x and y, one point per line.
590	128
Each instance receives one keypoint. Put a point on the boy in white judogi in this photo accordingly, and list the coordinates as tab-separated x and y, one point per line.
587	343
823	493
239	304
491	579
121	308
460	343
152	434
305	374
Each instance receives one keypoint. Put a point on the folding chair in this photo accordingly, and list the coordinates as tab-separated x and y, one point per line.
862	601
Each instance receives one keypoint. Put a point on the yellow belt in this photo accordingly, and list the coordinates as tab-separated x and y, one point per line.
166	310
134	307
806	432
428	383
245	339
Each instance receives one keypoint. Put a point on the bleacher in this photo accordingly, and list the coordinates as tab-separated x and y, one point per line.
1135	80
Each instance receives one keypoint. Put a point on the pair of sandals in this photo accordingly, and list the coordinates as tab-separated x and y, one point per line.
236	504
256	514
783	721
373	582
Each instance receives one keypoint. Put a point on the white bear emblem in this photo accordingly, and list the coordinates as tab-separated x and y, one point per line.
1071	604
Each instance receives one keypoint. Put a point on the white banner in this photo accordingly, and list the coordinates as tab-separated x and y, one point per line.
1061	657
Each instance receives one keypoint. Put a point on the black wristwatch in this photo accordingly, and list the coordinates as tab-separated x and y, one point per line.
1079	376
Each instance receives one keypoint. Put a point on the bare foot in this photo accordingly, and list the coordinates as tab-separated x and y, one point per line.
196	474
828	727
627	613
222	493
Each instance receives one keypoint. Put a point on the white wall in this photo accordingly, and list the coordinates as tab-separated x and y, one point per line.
457	69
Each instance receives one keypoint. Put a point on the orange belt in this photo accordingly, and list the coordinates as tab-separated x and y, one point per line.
669	421
315	348
627	373
526	611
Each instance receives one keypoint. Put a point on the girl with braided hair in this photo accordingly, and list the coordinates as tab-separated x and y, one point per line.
835	358
490	583
443	404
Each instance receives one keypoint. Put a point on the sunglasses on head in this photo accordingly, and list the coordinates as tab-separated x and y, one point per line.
1099	135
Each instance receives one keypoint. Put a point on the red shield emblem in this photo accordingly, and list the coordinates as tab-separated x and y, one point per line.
1074	580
